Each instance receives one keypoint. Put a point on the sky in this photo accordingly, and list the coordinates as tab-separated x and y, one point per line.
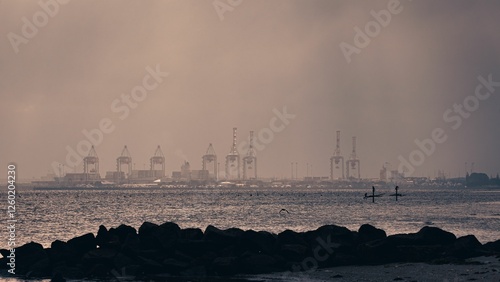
209	66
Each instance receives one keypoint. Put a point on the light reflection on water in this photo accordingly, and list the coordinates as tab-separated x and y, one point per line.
44	216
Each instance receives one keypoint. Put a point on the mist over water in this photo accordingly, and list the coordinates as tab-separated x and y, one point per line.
45	216
232	71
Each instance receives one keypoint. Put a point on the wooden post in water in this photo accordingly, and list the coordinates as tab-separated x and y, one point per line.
397	193
373	194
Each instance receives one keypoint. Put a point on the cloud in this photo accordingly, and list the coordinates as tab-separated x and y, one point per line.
264	55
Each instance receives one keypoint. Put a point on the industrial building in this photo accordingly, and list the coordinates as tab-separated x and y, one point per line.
352	169
233	161
238	170
209	163
90	170
186	174
156	169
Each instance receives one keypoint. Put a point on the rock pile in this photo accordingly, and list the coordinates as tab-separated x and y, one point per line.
168	251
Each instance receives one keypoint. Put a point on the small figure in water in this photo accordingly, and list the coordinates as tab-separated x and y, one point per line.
396	194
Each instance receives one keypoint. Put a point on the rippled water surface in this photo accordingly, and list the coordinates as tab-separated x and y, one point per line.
44	216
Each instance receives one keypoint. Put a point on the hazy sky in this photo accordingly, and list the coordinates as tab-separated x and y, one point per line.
232	69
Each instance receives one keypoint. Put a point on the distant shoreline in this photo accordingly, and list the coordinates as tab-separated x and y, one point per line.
187	186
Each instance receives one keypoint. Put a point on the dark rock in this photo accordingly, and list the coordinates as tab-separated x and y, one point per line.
260	242
165	250
294	252
155	255
225	266
259	263
102	237
150	242
467	247
331	238
435	236
191	234
148	229
403	239
182	257
196	248
28	249
99	256
170	230
235	231
120	261
335	231
40	269
420	253
168	233
82	244
198	271
493	246
58	246
163	236
121	233
368	233
227	237
128	273
332	245
150	266
340	259
28	255
99	271
426	236
174	266
131	244
57	278
68	272
227	251
378	252
205	259
426	245
4	264
4	252
60	252
289	237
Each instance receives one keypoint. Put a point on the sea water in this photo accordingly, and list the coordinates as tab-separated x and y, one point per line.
46	216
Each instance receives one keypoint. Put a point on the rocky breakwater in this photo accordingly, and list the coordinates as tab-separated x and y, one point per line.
162	251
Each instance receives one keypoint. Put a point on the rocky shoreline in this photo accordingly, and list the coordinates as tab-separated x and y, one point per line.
159	252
